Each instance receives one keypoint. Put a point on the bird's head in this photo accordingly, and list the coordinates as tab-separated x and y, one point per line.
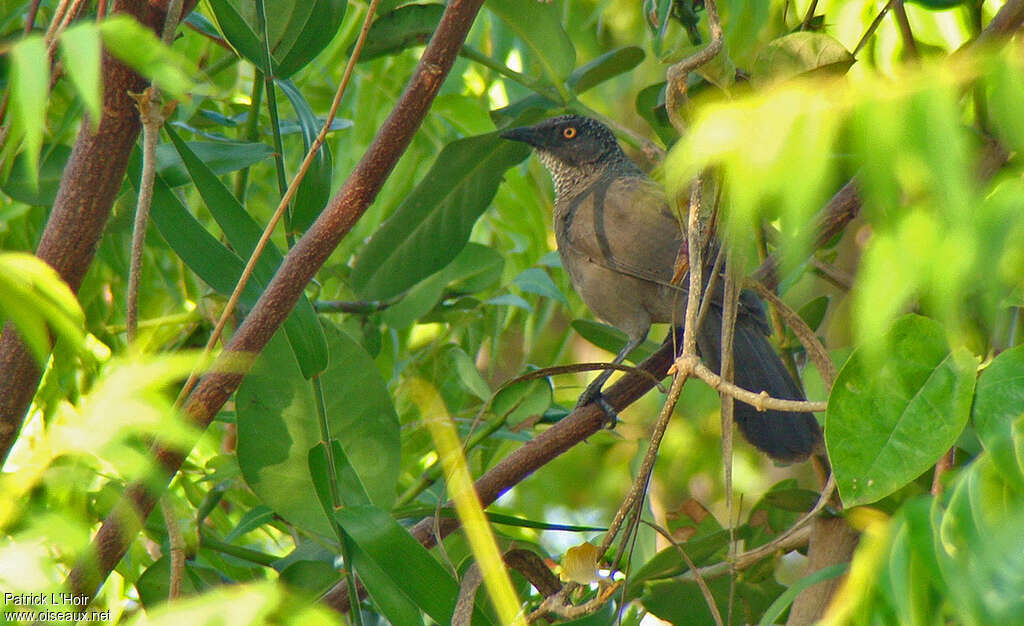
569	141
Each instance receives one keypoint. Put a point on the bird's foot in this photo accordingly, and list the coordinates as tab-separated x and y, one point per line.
595	395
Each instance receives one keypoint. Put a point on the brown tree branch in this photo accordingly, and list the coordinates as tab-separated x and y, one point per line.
90	183
298	268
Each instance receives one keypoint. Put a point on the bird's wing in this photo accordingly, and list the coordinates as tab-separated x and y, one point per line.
623	224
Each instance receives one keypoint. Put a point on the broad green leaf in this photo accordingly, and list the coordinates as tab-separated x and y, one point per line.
36	300
313	577
650	105
277	427
681	602
540	28
433	224
468	374
298	30
890	420
43	190
801	54
221	157
137	46
611	339
315	189
998	405
80	51
406	26
938	5
408	564
153	584
302	327
607	66
30	86
350	489
522	400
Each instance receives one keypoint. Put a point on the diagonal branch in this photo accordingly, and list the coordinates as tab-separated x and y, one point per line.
298	268
90	183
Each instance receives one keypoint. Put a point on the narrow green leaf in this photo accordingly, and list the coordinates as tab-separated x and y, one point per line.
540	28
536	281
888	422
277	427
433	224
137	46
80	49
783	601
612	339
394	551
406	26
217	266
315	189
310	27
605	67
221	157
239	31
305	334
30	86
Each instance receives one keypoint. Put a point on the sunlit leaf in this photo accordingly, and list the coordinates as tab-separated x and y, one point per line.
137	46
30	85
801	53
80	51
36	300
998	405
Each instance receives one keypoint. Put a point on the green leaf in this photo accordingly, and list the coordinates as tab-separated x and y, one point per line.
536	281
313	577
681	602
889	421
408	564
35	299
221	157
137	46
979	540
302	326
80	50
522	400
37	187
298	30
217	266
781	603
467	373
800	54
153	585
277	427
937	5
605	67
315	189
540	28
406	26
30	86
998	405
611	339
433	224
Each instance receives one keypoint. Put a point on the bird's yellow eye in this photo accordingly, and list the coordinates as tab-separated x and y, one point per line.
569	132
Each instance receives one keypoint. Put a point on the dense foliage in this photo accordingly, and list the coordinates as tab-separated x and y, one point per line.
394	380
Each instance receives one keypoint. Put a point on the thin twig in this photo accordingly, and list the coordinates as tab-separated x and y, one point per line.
176	549
701	583
286	199
152	119
943	466
900	12
730	303
809	16
871	29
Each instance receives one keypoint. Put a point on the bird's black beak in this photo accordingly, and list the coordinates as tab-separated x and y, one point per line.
525	134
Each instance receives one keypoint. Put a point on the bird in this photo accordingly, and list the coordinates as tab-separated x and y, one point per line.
618	240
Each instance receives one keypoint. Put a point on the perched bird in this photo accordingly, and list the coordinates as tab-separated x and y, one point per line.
619	240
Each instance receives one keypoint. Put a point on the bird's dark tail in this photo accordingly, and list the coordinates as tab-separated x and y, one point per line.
783	435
